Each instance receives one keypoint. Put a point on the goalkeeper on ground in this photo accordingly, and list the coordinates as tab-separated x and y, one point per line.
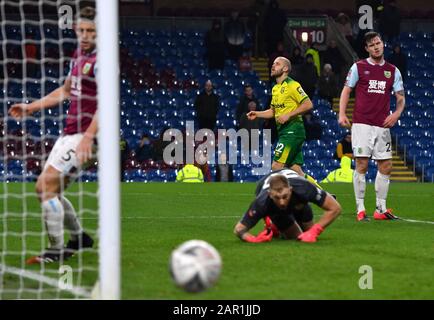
282	199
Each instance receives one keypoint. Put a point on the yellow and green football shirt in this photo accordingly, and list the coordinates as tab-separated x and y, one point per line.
286	97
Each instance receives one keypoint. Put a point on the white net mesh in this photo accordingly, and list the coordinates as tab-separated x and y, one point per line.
35	55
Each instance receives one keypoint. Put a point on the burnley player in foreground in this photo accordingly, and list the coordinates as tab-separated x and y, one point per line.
374	80
282	199
73	147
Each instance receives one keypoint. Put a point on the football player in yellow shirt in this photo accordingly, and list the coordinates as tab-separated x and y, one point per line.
289	102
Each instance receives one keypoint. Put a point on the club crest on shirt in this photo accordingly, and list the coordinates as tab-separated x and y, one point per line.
282	90
86	68
387	74
301	92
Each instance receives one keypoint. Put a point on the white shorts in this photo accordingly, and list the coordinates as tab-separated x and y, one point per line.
62	157
371	141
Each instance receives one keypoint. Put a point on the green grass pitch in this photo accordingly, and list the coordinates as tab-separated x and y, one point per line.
158	217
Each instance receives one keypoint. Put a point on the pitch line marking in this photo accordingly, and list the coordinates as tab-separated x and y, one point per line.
77	291
248	194
197	217
417	221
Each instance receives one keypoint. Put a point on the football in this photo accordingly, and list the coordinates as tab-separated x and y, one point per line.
195	265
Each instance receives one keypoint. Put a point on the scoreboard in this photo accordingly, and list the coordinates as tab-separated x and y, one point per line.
308	29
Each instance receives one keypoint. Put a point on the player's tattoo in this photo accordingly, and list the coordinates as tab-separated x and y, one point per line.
400	100
241	230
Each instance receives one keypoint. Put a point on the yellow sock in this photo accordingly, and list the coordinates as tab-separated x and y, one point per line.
312	180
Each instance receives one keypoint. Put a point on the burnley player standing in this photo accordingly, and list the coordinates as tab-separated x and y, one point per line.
374	80
72	148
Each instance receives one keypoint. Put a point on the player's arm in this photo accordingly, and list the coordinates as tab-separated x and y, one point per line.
266	114
350	83
242	232
249	220
332	209
84	148
398	88
343	103
303	108
52	99
400	101
400	105
324	200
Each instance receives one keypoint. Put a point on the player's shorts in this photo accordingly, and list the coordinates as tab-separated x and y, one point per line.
371	141
289	149
283	222
62	157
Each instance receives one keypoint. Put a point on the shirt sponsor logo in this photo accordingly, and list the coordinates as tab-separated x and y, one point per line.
301	92
278	105
376	86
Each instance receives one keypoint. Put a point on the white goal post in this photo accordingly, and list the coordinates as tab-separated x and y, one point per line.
109	153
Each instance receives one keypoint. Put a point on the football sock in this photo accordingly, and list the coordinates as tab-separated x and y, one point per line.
359	183
53	213
312	180
381	189
71	221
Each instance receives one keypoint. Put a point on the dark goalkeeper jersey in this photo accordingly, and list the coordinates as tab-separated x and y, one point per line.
303	192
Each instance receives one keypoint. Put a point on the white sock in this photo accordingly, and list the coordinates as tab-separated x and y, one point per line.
53	216
359	182
381	189
71	222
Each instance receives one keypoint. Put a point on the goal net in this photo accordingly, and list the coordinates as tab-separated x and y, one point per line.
37	45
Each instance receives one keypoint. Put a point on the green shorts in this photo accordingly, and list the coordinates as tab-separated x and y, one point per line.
289	150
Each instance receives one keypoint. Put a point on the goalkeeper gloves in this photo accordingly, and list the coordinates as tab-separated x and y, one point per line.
311	234
264	236
271	226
